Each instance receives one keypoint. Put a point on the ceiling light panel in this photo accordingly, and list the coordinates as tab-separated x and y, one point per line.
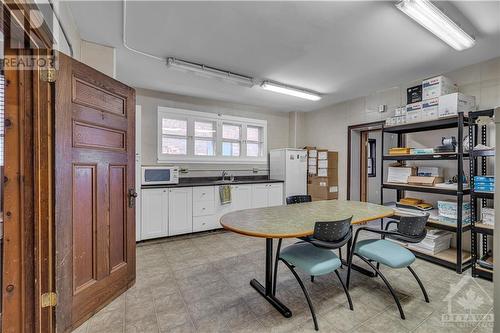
210	72
292	91
434	20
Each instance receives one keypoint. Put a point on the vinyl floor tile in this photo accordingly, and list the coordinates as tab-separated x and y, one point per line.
201	284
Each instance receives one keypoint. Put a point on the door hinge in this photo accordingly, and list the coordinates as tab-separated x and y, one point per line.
48	75
48	299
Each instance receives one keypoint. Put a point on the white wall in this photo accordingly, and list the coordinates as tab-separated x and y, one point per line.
327	128
68	22
277	127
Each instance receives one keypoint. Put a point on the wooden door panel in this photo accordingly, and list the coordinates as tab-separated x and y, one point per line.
88	94
87	135
84	228
117	216
95	158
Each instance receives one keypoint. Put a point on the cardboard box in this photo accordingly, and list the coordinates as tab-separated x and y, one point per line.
312	170
321	188
413	112
312	161
437	86
430	171
449	209
424	180
430	109
414	94
452	104
400	174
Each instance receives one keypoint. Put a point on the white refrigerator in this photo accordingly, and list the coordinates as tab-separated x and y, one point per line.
289	165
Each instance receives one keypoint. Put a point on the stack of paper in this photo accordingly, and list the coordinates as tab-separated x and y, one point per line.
434	242
488	215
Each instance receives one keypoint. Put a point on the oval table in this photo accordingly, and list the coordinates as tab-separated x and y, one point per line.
292	221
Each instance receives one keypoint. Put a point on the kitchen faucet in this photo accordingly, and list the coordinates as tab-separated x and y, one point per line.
225	173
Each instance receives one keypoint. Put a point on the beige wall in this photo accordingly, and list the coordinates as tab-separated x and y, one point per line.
327	128
277	126
100	57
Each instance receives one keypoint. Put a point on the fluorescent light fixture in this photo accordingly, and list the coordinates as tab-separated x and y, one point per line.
209	72
434	20
292	91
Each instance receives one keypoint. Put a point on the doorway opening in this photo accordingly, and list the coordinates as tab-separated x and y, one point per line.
366	147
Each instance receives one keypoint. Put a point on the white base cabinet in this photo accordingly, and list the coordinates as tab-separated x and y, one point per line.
154	213
267	195
183	210
180	211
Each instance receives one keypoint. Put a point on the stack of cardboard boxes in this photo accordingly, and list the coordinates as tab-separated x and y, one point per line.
322	180
435	98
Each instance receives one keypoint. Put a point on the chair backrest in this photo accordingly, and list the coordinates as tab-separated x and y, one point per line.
332	231
413	227
294	199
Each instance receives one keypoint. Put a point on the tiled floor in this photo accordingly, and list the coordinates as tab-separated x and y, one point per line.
201	284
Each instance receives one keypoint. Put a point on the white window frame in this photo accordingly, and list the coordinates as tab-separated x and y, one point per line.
219	119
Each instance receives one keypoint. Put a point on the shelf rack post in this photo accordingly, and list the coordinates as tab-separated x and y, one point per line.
479	232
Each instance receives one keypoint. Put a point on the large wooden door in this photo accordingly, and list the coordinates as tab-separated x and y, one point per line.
94	191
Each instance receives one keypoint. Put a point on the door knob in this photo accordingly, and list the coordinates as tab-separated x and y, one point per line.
132	194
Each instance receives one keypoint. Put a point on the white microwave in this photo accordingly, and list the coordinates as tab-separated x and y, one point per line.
160	175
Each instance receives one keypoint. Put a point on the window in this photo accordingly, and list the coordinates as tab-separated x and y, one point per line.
204	138
191	136
174	136
254	141
231	140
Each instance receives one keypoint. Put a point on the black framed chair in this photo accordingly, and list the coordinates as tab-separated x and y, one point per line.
409	229
316	256
294	199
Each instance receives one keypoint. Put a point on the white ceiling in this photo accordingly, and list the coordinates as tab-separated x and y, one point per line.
340	49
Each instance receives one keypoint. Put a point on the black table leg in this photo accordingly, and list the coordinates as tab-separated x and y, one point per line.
267	291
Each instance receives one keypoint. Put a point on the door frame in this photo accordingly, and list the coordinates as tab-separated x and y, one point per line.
27	269
138	165
363	166
375	125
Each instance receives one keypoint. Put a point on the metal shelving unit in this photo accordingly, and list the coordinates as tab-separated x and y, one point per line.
454	258
480	231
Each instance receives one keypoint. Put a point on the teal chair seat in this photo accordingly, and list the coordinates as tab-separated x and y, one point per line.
311	259
385	252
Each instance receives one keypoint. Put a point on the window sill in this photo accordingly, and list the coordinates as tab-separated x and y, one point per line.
177	160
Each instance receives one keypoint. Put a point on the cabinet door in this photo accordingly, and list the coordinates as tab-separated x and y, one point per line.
241	197
275	192
180	211
260	195
154	219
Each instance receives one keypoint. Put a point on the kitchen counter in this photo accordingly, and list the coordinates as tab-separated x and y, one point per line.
213	181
